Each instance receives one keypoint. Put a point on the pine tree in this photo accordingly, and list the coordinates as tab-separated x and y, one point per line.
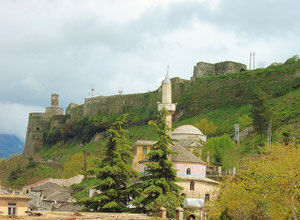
113	173
158	186
260	113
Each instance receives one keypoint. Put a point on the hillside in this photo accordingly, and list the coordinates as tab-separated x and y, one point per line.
223	100
9	145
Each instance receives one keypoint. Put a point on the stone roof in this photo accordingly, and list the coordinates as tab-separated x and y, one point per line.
15	197
143	142
189	142
187	129
59	197
36	183
53	192
183	155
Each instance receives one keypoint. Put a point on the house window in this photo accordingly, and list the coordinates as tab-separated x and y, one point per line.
188	171
192	186
183	194
206	197
144	150
12	208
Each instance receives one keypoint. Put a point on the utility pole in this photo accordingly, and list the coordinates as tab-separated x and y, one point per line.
269	134
84	163
237	134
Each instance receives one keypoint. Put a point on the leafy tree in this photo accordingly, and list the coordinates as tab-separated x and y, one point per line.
74	166
267	187
207	127
260	113
113	173
244	121
222	151
31	163
158	187
15	177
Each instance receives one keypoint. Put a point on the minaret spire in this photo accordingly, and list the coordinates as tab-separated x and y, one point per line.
167	79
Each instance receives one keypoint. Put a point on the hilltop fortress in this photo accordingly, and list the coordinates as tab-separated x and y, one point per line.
200	94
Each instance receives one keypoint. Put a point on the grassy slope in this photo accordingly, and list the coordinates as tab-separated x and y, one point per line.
285	110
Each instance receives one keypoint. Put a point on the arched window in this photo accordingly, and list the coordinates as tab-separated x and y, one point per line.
144	150
192	217
188	171
192	186
183	194
206	197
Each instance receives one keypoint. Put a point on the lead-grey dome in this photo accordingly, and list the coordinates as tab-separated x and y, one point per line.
188	130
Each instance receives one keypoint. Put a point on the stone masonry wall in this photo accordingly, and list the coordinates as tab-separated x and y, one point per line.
37	124
203	69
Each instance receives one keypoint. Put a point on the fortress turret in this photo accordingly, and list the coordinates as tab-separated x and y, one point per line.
39	123
54	109
54	100
167	100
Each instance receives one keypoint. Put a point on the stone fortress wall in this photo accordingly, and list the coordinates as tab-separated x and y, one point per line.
38	123
203	69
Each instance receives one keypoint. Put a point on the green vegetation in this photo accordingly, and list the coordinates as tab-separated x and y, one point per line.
267	189
158	187
75	165
223	151
20	171
260	113
207	127
81	190
113	172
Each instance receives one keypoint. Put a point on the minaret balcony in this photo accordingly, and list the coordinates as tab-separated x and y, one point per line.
168	106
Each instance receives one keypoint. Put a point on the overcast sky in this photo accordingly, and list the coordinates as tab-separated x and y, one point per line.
71	46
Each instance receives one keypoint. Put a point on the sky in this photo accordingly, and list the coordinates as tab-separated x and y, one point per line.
70	46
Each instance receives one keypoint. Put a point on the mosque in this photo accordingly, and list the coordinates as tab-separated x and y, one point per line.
190	169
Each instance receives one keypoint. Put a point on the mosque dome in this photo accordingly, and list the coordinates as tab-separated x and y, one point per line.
187	129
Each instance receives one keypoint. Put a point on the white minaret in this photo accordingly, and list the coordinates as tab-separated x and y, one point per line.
167	100
253	61
250	61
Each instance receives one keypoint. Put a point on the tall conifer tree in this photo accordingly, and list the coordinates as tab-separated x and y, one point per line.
113	173
260	113
158	186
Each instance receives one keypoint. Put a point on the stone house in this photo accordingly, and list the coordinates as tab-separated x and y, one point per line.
61	182
48	196
11	204
140	149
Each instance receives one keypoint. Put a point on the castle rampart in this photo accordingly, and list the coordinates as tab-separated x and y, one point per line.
144	104
203	69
